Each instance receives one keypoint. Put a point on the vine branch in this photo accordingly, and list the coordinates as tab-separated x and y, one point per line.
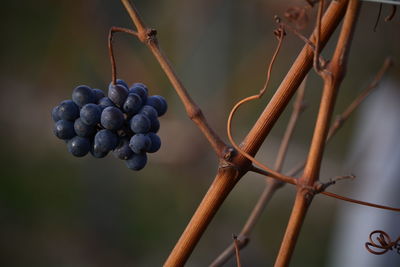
332	77
148	36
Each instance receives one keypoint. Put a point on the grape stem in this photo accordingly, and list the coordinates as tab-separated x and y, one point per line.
111	50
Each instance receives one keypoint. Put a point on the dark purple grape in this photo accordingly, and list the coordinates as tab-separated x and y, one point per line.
133	104
94	150
122	82
159	103
54	114
68	110
118	94
82	129
140	143
123	151
140	89
90	114
140	123
105	141
78	146
149	111
112	118
64	129
98	94
105	102
155	142
155	125
83	95
137	161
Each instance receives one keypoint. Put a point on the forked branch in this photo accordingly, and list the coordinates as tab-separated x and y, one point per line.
148	37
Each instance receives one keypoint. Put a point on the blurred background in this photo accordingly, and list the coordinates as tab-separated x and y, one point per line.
57	210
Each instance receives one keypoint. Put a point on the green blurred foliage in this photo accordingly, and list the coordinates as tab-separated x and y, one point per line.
57	210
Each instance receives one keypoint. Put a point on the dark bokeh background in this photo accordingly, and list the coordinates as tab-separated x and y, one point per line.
57	210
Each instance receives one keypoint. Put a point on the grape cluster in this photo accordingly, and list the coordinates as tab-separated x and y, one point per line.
125	122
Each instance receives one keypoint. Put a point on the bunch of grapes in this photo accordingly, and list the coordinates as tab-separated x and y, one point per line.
126	122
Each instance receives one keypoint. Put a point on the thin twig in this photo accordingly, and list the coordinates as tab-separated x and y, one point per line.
392	13
111	50
148	36
280	33
330	194
237	251
364	94
378	17
305	186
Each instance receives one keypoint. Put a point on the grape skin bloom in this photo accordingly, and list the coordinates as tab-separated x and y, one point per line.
105	140
83	95
140	143
90	114
64	129
112	118
82	129
137	161
68	110
140	123
78	146
118	94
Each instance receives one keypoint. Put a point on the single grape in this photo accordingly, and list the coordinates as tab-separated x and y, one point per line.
112	118
140	123
83	95
78	146
133	104
122	82
118	94
140	143
159	103
54	114
123	151
94	150
90	114
155	142
105	140
149	111
68	110
140	89
82	129
137	161
64	129
105	102
98	94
